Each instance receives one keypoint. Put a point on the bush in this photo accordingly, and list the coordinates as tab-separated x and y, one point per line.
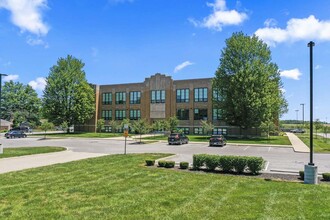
184	165
211	162
239	164
199	161
255	164
301	174
161	163
169	164
150	162
226	163
326	176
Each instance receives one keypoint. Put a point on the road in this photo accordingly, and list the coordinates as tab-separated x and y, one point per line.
279	159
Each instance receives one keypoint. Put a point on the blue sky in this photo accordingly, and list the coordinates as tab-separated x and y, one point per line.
123	41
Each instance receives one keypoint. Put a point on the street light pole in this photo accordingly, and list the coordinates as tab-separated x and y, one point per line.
297	115
1	74
303	113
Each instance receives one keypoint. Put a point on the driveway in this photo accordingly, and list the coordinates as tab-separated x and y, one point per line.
279	159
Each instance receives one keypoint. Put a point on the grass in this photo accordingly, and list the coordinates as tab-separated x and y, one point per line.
273	140
81	135
320	144
16	152
121	187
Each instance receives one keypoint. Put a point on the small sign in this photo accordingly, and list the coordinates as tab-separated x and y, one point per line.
126	133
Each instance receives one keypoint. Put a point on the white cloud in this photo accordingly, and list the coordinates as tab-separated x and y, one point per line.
270	22
27	15
220	17
10	77
318	67
291	74
297	29
36	41
182	65
38	84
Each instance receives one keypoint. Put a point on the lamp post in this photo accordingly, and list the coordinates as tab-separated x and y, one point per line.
303	113
297	110
310	174
1	75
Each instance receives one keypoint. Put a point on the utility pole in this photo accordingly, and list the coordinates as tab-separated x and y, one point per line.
303	113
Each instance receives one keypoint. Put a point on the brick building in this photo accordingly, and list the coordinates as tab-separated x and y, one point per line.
159	97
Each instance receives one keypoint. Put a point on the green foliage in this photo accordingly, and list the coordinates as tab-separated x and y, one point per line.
100	124
248	83
169	164
173	123
46	126
22	151
301	174
20	103
207	126
226	163
326	176
64	125
161	163
211	162
240	164
184	165
114	125
140	126
199	161
255	164
318	126
150	162
68	97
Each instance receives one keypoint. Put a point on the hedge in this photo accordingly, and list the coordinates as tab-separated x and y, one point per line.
227	164
326	176
150	162
301	174
184	165
169	164
161	163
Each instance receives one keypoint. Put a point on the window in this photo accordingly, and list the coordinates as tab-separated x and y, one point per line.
198	130
183	130
182	114
220	131
106	98
120	97
134	114
182	95
216	96
216	114
107	129
107	114
158	96
120	114
201	95
200	114
134	97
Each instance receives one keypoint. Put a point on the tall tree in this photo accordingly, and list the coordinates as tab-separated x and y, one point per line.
68	97
248	83
140	126
20	103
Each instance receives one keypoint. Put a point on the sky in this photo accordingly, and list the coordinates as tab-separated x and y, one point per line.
126	41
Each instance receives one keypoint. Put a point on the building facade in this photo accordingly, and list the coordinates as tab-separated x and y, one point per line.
157	98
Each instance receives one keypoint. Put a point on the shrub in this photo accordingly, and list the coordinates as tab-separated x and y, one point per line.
150	162
226	163
184	165
255	164
301	174
161	163
326	176
198	161
211	162
240	163
169	164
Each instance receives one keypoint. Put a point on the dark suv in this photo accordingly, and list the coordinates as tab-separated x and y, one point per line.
218	140
177	138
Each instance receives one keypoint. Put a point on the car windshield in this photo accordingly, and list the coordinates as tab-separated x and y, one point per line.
216	136
174	135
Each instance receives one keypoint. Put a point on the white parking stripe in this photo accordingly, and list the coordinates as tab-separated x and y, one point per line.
269	149
246	148
266	167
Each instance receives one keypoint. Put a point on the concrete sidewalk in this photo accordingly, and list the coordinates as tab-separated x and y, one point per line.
297	144
39	160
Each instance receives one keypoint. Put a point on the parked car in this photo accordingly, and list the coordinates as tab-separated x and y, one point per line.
217	140
15	134
177	138
298	131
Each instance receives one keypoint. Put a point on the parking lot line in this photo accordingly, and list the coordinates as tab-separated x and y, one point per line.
246	148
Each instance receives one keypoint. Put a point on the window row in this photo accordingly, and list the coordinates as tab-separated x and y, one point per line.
199	114
134	114
158	96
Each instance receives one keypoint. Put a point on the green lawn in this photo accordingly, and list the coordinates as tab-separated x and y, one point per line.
121	187
320	144
15	152
82	135
273	140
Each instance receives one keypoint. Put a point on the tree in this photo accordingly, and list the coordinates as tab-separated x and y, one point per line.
20	103
173	123
141	127
114	125
207	126
100	124
248	83
67	96
267	127
318	125
46	126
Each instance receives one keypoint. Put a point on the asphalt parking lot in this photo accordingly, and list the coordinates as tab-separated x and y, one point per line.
279	159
